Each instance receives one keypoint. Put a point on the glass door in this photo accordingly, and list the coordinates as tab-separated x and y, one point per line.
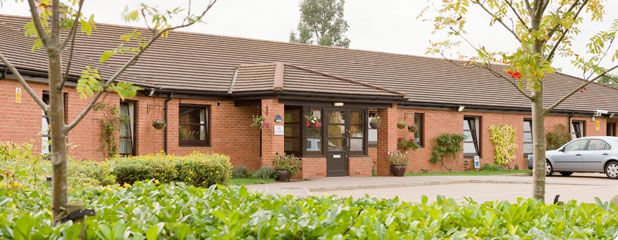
337	143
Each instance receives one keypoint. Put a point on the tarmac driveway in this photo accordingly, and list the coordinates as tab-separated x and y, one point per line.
581	187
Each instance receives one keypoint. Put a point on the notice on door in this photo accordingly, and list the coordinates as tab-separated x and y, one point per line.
279	131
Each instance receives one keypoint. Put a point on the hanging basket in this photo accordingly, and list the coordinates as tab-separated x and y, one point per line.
158	124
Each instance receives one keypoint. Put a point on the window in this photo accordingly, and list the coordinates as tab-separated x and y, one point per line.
45	146
419	132
372	132
611	129
127	128
293	131
578	129
193	125
313	140
471	136
528	149
577	145
596	145
357	132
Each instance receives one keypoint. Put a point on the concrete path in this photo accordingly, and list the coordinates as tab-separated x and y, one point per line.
581	187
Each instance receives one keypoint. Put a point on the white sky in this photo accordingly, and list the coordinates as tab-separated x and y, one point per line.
390	26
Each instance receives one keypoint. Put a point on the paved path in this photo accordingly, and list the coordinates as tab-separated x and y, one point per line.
581	187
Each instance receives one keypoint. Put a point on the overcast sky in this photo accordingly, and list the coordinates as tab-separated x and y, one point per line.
391	26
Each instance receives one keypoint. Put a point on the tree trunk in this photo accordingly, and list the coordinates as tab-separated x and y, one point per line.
538	131
58	135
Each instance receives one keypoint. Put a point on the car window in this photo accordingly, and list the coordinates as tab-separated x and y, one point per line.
576	146
596	144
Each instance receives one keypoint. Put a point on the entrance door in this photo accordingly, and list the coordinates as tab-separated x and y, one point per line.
337	143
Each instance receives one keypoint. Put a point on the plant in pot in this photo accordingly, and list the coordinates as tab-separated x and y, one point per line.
158	124
374	123
402	124
286	167
399	162
313	122
257	121
412	128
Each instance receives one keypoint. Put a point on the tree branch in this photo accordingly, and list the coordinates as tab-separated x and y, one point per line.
24	84
70	37
551	54
37	22
565	97
499	20
557	26
129	63
521	20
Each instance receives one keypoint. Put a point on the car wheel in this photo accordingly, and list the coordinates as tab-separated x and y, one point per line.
611	170
549	169
566	174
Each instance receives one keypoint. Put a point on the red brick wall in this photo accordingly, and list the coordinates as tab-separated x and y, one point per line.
313	167
271	145
360	166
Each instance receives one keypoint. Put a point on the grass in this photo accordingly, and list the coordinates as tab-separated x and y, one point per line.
249	181
472	173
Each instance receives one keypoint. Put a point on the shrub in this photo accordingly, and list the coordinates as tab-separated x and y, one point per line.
447	145
557	137
14	151
265	172
99	172
398	159
504	139
493	167
405	145
287	163
196	169
240	172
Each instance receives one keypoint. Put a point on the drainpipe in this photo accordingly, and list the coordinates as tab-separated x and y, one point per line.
169	97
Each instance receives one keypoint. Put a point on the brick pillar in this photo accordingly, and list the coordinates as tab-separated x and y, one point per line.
387	138
271	144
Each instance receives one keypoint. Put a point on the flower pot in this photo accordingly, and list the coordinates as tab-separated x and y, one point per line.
401	124
283	176
398	171
374	125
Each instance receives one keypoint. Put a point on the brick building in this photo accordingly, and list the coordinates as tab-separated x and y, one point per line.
207	90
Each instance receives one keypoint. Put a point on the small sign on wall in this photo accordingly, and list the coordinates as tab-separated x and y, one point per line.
477	162
597	125
279	131
17	95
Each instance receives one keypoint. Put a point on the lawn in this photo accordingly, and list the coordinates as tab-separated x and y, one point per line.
473	173
249	181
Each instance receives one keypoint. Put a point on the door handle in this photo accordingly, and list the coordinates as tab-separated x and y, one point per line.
578	155
605	154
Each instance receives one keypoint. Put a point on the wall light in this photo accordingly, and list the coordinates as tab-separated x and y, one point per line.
461	108
338	104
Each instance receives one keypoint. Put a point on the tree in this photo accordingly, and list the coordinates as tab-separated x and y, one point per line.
54	26
609	80
321	22
543	30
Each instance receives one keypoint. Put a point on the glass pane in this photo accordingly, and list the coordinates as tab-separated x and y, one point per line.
527	127
372	135
337	131
528	148
314	132
192	132
576	146
469	148
596	145
292	130
467	135
356	144
356	131
335	144
336	117
123	146
191	115
292	116
292	145
466	125
527	137
314	144
356	118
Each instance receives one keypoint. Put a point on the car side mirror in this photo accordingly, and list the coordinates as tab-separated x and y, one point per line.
561	149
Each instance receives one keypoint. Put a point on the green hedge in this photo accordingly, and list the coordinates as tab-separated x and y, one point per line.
200	170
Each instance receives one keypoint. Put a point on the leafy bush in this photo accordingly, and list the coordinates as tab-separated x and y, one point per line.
265	172
287	163
100	172
493	167
447	145
14	151
240	172
180	211
557	137
398	159
196	169
504	139
405	145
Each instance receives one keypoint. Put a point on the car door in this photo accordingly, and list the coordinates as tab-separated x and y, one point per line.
569	157
593	156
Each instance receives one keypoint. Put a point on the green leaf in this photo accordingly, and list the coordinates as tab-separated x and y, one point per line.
125	90
154	231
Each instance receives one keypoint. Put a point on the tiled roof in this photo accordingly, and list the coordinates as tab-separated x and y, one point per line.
200	62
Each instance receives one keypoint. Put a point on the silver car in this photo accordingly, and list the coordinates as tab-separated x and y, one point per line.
587	154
